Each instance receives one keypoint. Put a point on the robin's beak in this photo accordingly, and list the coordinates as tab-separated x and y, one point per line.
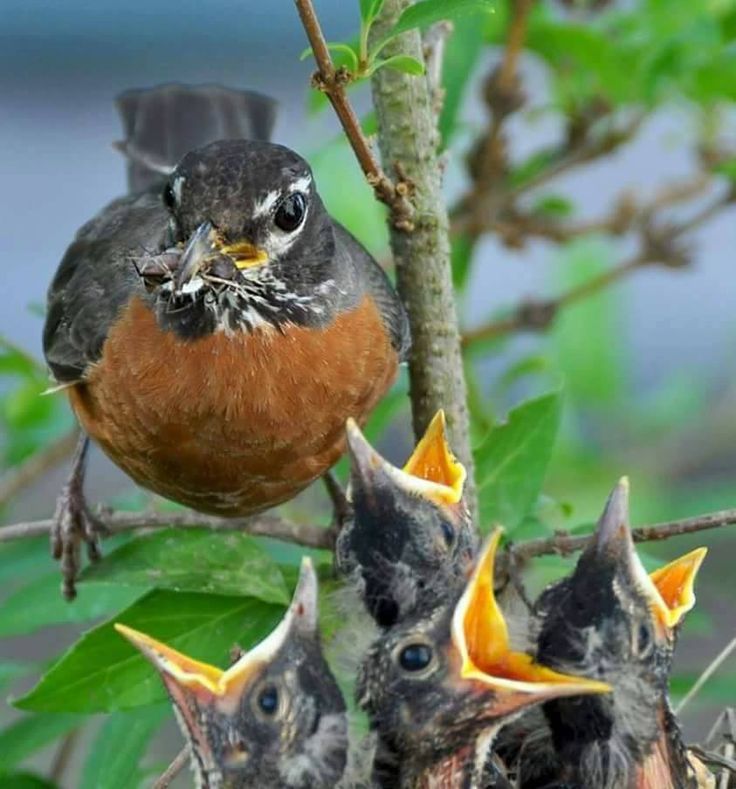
432	472
480	634
206	246
669	590
189	680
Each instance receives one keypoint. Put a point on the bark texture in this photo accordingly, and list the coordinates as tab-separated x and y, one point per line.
408	141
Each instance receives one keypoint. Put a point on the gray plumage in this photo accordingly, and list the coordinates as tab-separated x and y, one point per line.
164	123
317	274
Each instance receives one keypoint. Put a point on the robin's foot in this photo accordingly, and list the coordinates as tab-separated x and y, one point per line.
74	524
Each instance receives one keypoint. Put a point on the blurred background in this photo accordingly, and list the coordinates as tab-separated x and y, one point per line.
645	365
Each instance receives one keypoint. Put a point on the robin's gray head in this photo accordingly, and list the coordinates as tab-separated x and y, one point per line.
255	244
274	718
410	541
441	677
611	620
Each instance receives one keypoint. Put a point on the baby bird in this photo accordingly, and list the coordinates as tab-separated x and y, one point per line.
275	719
613	622
439	686
410	541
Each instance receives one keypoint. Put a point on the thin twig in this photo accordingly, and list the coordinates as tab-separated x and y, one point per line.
308	535
489	163
332	82
564	544
711	669
36	466
659	244
176	766
539	315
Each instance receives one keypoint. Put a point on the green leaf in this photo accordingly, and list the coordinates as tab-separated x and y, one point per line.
31	733
553	206
194	560
587	336
25	780
336	46
461	56
369	10
427	12
462	257
512	461
102	672
40	604
337	173
23	559
16	361
716	689
404	63
119	746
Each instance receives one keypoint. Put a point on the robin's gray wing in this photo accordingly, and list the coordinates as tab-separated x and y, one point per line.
378	285
96	278
164	123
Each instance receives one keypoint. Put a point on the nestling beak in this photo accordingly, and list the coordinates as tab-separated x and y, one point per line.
669	590
480	634
186	677
432	472
205	246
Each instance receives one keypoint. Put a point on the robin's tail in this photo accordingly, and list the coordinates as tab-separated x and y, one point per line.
164	123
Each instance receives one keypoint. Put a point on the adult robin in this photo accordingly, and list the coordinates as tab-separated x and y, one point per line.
612	621
409	541
275	719
440	684
214	333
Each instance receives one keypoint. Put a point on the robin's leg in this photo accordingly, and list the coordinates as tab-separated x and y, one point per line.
74	523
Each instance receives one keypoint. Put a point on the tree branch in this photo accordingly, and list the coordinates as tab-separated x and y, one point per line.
564	544
409	140
659	244
308	535
333	82
36	466
539	315
489	160
176	766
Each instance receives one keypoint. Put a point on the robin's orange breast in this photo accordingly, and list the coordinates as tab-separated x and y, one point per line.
232	423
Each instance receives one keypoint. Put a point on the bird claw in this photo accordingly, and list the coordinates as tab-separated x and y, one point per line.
74	524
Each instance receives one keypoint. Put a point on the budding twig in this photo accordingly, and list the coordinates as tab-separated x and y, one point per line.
333	82
563	544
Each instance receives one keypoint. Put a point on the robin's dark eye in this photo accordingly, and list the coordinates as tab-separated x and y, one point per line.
169	197
290	213
447	532
415	657
268	700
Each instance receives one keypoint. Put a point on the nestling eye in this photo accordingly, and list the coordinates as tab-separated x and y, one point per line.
415	657
169	197
268	700
447	532
290	213
644	642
